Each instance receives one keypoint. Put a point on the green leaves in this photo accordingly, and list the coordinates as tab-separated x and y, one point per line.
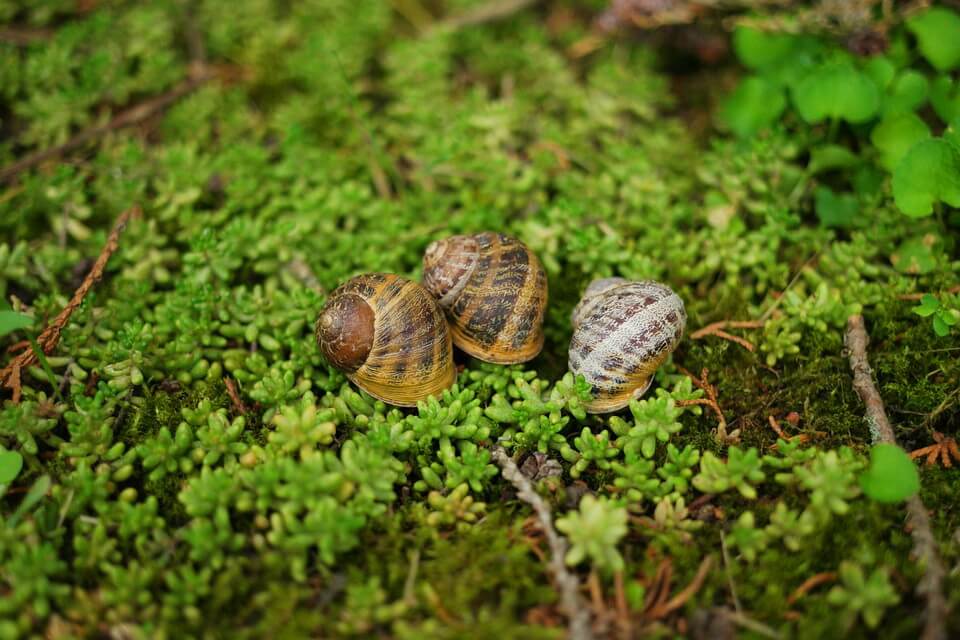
835	210
836	90
895	136
891	476
759	49
863	595
938	36
11	321
11	463
943	317
929	173
756	103
594	532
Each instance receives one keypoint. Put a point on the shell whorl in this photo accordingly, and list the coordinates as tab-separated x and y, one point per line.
448	265
494	291
411	354
623	335
590	297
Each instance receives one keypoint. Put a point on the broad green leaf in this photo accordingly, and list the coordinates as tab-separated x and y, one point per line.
836	90
760	49
895	136
831	156
755	104
881	70
908	92
927	174
938	36
835	210
867	180
916	255
945	98
12	321
11	463
928	306
891	476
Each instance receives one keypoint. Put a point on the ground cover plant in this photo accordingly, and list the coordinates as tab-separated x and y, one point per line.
184	182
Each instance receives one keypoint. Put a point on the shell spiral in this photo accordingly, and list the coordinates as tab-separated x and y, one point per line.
623	331
389	337
494	291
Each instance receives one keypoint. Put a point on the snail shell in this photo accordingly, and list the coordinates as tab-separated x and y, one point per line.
494	291
623	331
389	337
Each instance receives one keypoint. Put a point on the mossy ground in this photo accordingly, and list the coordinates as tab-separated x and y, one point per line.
342	137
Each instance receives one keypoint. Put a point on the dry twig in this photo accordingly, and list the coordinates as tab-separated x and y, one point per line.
811	583
235	398
565	582
930	585
711	401
718	329
49	337
663	609
490	12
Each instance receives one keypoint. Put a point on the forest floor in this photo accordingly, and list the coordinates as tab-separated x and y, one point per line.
182	184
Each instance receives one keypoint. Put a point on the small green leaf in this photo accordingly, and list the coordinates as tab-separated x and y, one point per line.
928	306
835	210
891	476
938	36
759	49
830	157
896	134
945	98
909	92
915	255
836	90
756	103
881	70
940	327
927	174
11	463
11	321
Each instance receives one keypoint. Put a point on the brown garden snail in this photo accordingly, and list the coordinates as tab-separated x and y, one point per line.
494	291
623	331
389	337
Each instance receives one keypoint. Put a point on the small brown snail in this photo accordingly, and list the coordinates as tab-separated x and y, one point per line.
623	331
494	291
389	337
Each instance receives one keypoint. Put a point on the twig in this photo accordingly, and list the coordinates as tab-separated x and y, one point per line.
49	337
235	399
726	570
919	296
717	329
495	10
930	585
711	401
809	584
681	598
24	36
131	116
566	583
752	625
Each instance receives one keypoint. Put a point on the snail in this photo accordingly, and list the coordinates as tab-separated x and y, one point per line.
623	331
389	337
494	291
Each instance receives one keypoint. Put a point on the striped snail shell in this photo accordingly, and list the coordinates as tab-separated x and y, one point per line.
389	337
494	291
623	331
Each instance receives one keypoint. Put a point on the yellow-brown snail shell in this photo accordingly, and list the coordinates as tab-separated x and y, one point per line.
389	337
494	291
622	332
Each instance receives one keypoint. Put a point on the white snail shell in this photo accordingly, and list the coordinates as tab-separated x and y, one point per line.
622	332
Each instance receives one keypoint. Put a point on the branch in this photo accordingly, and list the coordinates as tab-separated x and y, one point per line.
48	339
490	12
131	116
565	582
930	585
